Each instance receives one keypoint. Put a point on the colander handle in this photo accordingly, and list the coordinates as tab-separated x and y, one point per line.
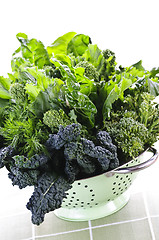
136	168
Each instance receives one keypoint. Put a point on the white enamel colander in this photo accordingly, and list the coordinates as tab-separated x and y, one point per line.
102	195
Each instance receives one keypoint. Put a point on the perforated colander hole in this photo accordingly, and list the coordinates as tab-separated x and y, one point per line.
114	183
79	183
91	190
86	186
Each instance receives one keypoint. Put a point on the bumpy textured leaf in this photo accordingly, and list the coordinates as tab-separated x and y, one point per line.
47	196
23	178
34	162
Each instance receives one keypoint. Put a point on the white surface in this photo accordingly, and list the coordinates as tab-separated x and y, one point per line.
129	28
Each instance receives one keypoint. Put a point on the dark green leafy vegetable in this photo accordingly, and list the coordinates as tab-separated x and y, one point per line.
67	111
47	196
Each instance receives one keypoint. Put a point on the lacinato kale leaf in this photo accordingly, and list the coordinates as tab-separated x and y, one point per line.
23	178
82	155
30	163
47	196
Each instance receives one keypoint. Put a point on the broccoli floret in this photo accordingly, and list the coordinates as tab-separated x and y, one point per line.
90	70
18	92
54	118
129	135
48	196
109	64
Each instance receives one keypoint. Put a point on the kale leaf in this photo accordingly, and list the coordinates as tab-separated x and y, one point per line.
47	196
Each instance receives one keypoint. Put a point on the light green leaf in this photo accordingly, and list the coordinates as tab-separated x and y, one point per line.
78	45
94	55
4	88
115	93
59	46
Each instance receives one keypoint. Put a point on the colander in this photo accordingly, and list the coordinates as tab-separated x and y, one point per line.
102	195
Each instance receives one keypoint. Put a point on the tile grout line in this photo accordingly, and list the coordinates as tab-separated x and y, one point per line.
90	227
148	217
90	230
62	233
118	223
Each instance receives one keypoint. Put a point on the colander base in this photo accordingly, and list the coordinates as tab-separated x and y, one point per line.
96	212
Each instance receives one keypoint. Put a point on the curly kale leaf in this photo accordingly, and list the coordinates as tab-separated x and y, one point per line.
106	142
23	178
65	134
47	196
101	154
81	155
34	162
77	161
